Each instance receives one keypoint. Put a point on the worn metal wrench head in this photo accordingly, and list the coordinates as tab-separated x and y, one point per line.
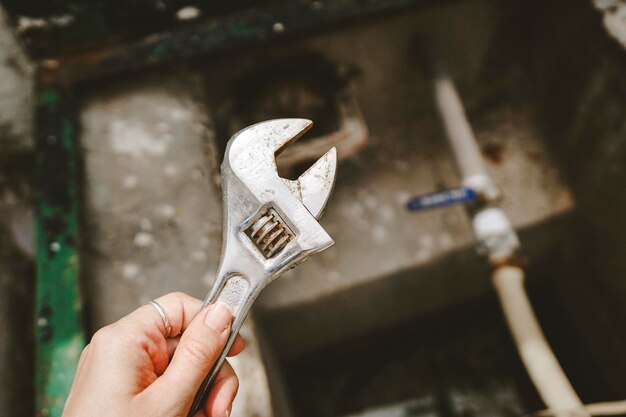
270	223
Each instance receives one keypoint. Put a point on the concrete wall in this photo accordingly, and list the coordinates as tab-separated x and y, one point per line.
153	210
16	266
583	105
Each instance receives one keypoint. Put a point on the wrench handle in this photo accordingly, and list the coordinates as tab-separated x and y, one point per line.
237	292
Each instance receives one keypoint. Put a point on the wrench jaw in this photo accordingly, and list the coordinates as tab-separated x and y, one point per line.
314	187
270	224
251	152
296	205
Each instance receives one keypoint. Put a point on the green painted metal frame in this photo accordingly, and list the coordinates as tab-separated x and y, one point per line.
59	331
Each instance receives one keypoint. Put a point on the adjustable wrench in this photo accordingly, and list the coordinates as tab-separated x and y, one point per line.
270	223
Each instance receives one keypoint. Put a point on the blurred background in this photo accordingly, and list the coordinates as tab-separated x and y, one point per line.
114	117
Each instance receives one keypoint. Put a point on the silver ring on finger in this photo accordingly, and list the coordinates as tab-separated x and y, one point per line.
163	314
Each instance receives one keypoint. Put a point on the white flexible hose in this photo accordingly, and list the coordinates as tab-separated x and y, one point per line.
610	408
458	130
497	237
541	364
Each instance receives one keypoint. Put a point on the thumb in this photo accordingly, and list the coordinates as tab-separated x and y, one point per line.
199	348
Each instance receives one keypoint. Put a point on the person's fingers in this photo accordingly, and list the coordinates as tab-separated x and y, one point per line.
172	344
179	307
198	349
237	346
145	328
223	393
81	364
83	358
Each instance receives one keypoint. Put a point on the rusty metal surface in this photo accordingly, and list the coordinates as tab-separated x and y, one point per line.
57	27
245	28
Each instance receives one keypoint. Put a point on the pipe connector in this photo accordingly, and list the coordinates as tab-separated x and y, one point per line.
487	192
495	236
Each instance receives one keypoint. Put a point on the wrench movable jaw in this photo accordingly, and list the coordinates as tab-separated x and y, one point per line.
314	187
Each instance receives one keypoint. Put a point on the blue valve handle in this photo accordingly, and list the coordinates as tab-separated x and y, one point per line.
441	198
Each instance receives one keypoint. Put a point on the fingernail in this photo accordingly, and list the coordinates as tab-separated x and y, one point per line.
219	317
227	413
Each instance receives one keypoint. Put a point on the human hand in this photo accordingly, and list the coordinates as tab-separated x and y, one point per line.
131	369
